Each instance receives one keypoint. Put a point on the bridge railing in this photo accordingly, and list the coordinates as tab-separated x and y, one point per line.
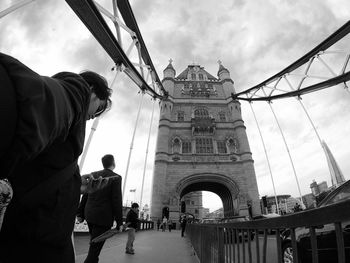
224	243
146	225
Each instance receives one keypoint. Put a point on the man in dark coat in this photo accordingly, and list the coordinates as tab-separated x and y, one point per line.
39	157
102	207
183	223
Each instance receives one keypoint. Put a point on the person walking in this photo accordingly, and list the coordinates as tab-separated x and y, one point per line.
170	224
183	223
164	223
45	130
158	224
102	207
131	224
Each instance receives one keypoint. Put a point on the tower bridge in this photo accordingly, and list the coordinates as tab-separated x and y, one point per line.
202	145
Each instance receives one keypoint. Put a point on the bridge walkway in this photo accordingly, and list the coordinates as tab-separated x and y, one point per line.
150	246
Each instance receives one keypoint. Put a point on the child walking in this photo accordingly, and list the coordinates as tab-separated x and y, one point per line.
132	224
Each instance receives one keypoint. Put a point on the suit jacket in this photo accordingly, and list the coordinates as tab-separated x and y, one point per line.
105	205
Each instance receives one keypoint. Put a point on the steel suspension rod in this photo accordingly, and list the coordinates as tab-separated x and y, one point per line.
266	155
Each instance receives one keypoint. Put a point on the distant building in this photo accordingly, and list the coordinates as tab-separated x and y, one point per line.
219	213
194	204
309	200
271	204
206	212
337	177
317	189
323	187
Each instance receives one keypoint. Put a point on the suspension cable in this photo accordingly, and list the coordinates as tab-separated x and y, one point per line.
132	142
289	154
266	155
145	164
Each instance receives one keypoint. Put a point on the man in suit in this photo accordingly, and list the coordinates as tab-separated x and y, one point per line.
102	207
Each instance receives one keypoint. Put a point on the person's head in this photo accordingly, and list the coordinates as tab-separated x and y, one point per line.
135	207
100	94
108	161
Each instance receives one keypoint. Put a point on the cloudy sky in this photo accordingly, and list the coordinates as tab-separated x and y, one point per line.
254	40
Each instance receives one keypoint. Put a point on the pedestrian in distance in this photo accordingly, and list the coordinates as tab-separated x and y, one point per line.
102	207
131	225
183	223
164	223
45	130
170	224
158	224
297	208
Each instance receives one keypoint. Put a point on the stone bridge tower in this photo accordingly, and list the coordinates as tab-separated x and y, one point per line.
202	144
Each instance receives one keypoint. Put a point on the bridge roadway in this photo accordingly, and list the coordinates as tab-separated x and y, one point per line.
150	246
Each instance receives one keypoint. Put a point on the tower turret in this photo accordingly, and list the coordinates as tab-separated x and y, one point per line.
168	78
169	71
225	78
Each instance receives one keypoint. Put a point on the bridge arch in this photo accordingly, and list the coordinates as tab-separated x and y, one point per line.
226	188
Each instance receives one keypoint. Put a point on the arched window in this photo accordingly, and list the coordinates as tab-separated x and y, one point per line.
200	76
186	147
201	113
193	76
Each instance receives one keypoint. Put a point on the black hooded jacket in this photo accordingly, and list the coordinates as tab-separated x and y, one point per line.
47	136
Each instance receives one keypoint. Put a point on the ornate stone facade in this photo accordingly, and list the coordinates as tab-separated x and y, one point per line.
202	144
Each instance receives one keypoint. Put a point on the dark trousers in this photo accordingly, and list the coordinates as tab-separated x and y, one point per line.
95	248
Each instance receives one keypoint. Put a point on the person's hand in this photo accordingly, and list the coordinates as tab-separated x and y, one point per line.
89	184
80	219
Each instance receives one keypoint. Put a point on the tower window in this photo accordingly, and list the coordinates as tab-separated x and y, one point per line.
222	116
204	145
180	116
221	147
193	76
186	147
201	113
200	76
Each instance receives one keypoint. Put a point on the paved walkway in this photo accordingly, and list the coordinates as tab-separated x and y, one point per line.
150	246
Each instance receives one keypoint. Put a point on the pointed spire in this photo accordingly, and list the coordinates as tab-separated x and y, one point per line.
221	67
170	65
169	71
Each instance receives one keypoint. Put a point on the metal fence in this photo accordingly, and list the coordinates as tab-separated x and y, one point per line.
231	242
